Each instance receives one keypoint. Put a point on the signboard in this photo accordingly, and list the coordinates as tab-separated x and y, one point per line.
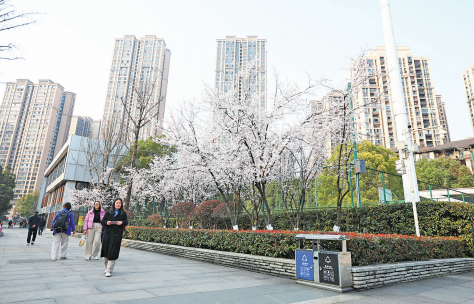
328	268
360	166
304	264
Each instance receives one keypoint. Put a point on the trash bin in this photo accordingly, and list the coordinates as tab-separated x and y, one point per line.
329	270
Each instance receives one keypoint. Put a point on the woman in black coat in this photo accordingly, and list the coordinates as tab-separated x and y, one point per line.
114	222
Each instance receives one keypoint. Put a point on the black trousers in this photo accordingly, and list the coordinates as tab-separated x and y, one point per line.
30	232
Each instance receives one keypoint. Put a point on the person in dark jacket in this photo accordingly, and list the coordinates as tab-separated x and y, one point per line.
41	225
114	221
33	222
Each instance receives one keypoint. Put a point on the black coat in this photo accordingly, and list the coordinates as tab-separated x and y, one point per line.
33	220
112	235
42	223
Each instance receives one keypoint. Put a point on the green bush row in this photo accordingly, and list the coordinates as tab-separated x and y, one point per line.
435	219
366	248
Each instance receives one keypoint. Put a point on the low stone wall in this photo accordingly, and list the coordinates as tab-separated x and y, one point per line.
367	277
273	266
363	277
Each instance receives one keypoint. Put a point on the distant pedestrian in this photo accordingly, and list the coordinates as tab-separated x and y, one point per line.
41	225
115	220
93	231
33	222
10	224
62	226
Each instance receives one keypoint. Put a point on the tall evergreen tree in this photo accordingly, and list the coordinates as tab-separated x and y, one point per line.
7	183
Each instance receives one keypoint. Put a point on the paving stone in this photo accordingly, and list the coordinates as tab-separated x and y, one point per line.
149	277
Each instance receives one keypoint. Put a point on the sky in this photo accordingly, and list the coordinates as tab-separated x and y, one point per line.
72	42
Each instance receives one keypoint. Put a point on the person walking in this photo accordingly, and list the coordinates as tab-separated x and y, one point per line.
10	224
93	231
115	220
41	225
33	222
62	226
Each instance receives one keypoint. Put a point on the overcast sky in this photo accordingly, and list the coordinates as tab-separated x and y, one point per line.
72	42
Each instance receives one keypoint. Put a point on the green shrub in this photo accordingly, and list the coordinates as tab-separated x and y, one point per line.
435	219
366	248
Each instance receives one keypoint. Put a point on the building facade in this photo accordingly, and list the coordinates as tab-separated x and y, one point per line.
68	171
233	54
443	120
95	128
80	126
135	61
34	125
418	89
468	80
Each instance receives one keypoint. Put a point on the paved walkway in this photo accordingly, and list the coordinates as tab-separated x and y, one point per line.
28	275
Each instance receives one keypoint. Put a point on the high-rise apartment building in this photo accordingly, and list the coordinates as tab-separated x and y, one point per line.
315	106
328	102
443	120
80	126
95	129
235	53
418	89
468	79
136	60
34	125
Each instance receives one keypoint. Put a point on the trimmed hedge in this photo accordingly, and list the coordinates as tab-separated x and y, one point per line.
442	219
366	248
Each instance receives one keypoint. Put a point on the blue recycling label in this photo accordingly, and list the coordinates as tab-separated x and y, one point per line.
304	265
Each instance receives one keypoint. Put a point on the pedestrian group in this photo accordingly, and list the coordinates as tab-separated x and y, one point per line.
100	227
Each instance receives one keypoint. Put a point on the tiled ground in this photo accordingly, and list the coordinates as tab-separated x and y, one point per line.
27	274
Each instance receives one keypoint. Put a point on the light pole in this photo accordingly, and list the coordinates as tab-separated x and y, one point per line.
409	154
410	184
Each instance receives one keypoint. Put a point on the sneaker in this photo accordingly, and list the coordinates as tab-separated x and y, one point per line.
108	274
63	258
27	244
87	259
96	257
32	243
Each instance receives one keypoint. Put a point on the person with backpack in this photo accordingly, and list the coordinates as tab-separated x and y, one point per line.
114	221
33	222
41	225
93	231
62	226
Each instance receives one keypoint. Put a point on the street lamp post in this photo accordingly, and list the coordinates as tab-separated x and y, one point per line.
408	154
410	184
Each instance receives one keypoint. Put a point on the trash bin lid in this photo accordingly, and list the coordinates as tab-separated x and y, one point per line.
327	237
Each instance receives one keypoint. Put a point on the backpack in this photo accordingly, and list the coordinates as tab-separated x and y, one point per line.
62	222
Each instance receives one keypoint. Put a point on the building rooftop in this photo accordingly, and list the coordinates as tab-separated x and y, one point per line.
466	143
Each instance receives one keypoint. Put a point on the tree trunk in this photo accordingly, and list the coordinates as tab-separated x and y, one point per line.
132	165
268	213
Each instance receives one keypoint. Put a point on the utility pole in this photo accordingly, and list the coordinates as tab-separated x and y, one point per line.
410	184
354	148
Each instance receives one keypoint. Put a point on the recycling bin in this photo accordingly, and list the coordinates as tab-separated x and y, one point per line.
324	269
